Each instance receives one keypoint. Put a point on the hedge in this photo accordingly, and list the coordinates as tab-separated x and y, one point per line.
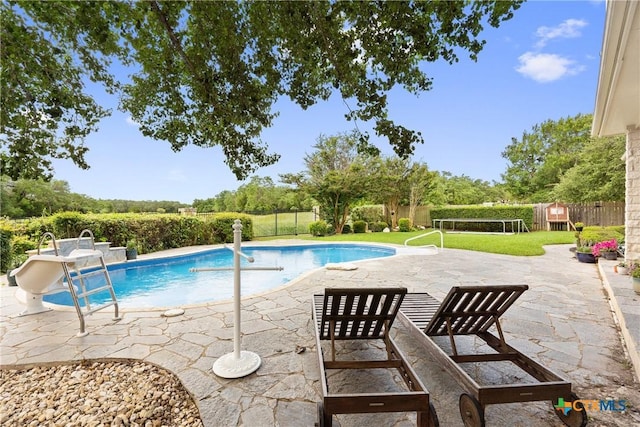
151	232
591	235
523	212
6	255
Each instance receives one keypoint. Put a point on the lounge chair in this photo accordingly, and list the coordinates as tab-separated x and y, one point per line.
365	314
473	310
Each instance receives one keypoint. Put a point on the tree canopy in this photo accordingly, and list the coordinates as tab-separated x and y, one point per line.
209	73
560	160
337	177
26	198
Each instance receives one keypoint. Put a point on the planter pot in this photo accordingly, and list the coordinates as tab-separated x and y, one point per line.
609	255
636	284
11	279
579	229
585	257
131	253
622	270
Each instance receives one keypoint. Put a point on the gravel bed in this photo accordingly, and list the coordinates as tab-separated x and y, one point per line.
113	393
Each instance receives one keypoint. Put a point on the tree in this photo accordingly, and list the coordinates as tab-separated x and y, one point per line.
422	182
335	177
46	113
539	160
390	184
31	198
209	73
463	190
559	160
599	174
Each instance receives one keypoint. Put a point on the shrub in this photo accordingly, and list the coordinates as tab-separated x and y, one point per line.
223	227
367	213
634	270
346	229
592	235
404	224
377	226
359	226
6	232
318	228
19	247
68	224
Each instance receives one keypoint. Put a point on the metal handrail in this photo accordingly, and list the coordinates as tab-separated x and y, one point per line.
53	239
90	233
426	234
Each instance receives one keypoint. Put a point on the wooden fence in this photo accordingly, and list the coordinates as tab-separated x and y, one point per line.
422	218
594	213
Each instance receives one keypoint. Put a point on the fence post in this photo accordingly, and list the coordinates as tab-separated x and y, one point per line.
276	216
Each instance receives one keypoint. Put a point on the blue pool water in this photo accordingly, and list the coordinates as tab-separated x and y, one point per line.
167	282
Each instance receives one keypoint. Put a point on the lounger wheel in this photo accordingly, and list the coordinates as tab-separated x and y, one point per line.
573	418
433	417
471	411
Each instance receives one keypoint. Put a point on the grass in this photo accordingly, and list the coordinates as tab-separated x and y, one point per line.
523	244
282	224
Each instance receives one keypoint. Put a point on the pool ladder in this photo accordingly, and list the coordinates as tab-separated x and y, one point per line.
77	281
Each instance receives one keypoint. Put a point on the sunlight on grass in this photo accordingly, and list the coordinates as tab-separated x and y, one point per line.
523	244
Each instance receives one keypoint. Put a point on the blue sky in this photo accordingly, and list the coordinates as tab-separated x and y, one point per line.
542	64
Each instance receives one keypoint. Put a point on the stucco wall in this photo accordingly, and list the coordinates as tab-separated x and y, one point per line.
632	196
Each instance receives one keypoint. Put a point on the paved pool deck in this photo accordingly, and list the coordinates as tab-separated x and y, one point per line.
573	319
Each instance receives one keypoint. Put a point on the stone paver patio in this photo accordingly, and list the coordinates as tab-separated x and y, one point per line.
564	321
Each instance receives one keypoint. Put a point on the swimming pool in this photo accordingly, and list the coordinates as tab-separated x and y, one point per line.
167	282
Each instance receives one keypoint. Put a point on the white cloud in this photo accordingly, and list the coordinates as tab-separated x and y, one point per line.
568	29
177	175
132	122
547	67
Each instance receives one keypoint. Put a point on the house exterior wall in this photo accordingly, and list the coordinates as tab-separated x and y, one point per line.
632	195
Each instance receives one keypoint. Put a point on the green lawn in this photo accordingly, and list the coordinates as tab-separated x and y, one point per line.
282	224
524	244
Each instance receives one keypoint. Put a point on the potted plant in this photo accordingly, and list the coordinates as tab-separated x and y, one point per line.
607	249
579	226
622	268
634	272
132	249
585	254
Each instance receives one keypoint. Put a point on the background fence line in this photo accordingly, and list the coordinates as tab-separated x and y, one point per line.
287	223
593	213
278	223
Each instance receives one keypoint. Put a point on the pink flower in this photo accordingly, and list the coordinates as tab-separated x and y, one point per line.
606	246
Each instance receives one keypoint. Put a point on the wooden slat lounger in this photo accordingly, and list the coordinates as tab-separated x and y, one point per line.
365	314
473	310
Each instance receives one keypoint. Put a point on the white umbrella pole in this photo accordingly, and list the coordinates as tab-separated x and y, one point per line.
239	363
237	238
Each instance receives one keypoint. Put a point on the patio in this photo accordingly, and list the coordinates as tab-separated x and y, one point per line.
564	321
